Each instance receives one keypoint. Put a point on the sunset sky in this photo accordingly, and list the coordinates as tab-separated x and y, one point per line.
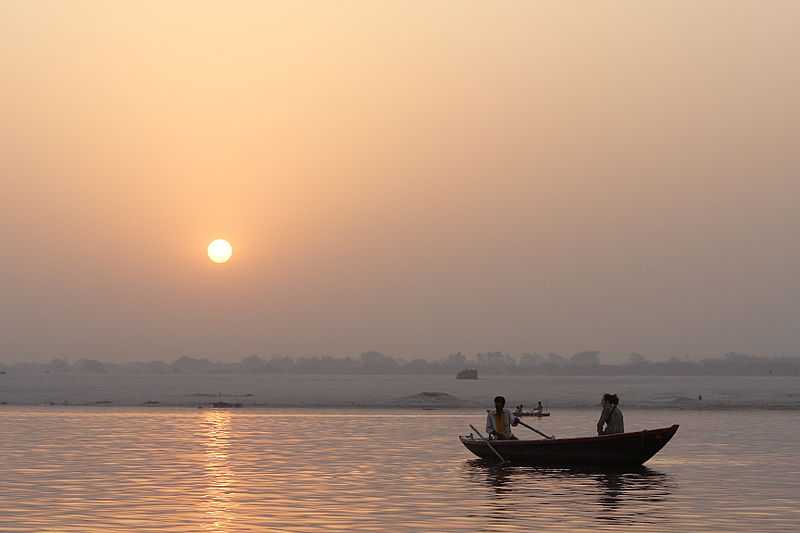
417	178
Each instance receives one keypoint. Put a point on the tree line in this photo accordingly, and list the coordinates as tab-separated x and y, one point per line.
588	363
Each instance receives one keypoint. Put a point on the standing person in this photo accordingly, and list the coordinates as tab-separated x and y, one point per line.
499	421
611	420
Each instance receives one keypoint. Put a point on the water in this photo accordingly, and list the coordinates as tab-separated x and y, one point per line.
306	390
174	470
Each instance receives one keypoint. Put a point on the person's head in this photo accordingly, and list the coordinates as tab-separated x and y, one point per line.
499	402
610	400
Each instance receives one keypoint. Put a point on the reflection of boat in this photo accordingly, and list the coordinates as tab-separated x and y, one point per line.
608	498
468	373
620	449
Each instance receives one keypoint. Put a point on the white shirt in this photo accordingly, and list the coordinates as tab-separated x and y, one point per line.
505	430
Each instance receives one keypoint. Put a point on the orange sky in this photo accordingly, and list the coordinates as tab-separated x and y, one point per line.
413	177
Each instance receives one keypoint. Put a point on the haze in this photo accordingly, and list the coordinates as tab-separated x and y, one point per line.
417	178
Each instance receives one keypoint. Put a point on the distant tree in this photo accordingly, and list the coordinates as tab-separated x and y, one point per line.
456	361
735	357
253	364
377	362
417	366
586	359
59	365
90	366
496	362
676	366
281	363
346	365
530	360
155	367
636	359
192	365
555	359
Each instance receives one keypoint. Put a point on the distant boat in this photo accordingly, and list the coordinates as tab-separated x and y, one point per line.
531	413
621	449
538	411
468	373
225	405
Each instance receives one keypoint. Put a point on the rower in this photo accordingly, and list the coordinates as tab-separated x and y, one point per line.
499	421
611	420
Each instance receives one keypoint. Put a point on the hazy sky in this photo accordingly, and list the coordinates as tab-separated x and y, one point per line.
412	177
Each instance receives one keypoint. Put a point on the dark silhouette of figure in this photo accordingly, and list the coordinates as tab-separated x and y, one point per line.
499	421
611	420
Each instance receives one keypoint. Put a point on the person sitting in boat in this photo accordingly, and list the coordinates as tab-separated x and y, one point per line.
539	407
499	421
611	420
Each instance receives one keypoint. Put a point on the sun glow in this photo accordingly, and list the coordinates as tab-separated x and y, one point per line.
220	251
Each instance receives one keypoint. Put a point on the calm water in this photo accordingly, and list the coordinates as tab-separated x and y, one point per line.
114	469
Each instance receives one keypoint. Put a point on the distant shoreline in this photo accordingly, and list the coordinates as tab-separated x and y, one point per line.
394	391
381	407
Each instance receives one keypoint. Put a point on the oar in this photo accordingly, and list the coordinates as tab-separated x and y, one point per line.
551	437
489	444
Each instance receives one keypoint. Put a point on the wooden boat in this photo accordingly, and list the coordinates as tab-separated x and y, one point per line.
621	449
225	405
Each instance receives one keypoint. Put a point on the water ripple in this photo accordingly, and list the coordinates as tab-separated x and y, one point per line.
187	470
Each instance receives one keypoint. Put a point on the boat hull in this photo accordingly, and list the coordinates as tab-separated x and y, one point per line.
621	449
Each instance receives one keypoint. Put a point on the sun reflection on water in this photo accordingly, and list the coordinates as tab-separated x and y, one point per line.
219	475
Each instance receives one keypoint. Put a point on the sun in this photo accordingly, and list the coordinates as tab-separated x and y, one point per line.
220	251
